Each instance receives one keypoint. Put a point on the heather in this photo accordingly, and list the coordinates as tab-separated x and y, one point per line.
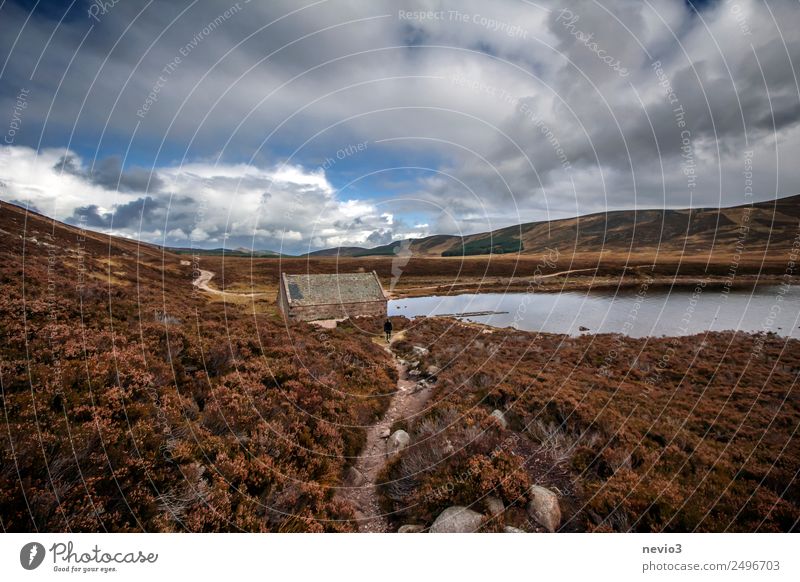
662	434
132	403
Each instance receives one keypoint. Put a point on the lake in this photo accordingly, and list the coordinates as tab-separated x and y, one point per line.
635	312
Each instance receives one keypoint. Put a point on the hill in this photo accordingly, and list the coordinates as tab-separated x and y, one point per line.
240	252
131	401
686	231
337	252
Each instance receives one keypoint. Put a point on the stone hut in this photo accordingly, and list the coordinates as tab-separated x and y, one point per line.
339	296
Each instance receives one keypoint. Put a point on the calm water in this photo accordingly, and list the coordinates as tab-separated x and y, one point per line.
656	313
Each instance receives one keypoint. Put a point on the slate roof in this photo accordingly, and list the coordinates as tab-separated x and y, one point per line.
328	289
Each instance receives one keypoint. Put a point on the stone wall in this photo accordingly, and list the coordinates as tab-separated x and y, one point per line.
336	310
283	302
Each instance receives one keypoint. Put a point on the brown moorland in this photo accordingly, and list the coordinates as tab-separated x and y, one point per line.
658	434
132	401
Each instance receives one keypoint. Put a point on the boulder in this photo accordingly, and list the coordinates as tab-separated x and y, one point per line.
509	529
543	507
432	370
409	528
457	519
494	506
398	440
500	417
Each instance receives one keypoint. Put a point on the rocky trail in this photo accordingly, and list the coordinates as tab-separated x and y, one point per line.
361	484
409	399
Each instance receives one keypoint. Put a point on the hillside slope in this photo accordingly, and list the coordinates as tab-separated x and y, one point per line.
698	230
131	402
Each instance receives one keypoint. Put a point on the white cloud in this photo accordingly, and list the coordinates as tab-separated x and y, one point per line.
280	207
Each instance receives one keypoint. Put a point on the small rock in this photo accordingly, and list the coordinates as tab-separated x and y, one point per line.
543	507
354	477
495	506
432	370
509	529
162	317
385	433
397	442
457	519
448	448
500	417
583	328
419	351
409	528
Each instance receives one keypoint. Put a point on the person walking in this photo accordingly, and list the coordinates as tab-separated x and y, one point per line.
387	329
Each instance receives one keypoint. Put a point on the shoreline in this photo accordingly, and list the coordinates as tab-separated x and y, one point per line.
568	284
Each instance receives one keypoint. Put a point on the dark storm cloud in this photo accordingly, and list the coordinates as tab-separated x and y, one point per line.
130	215
108	174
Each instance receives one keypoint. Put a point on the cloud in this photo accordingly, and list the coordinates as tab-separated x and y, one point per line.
238	205
487	115
380	237
108	173
124	216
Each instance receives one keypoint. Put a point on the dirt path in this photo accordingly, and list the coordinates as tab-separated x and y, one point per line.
360	488
205	277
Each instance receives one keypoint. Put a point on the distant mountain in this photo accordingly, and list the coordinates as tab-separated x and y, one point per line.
685	231
240	252
337	251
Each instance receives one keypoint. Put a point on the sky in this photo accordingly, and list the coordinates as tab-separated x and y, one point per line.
293	126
